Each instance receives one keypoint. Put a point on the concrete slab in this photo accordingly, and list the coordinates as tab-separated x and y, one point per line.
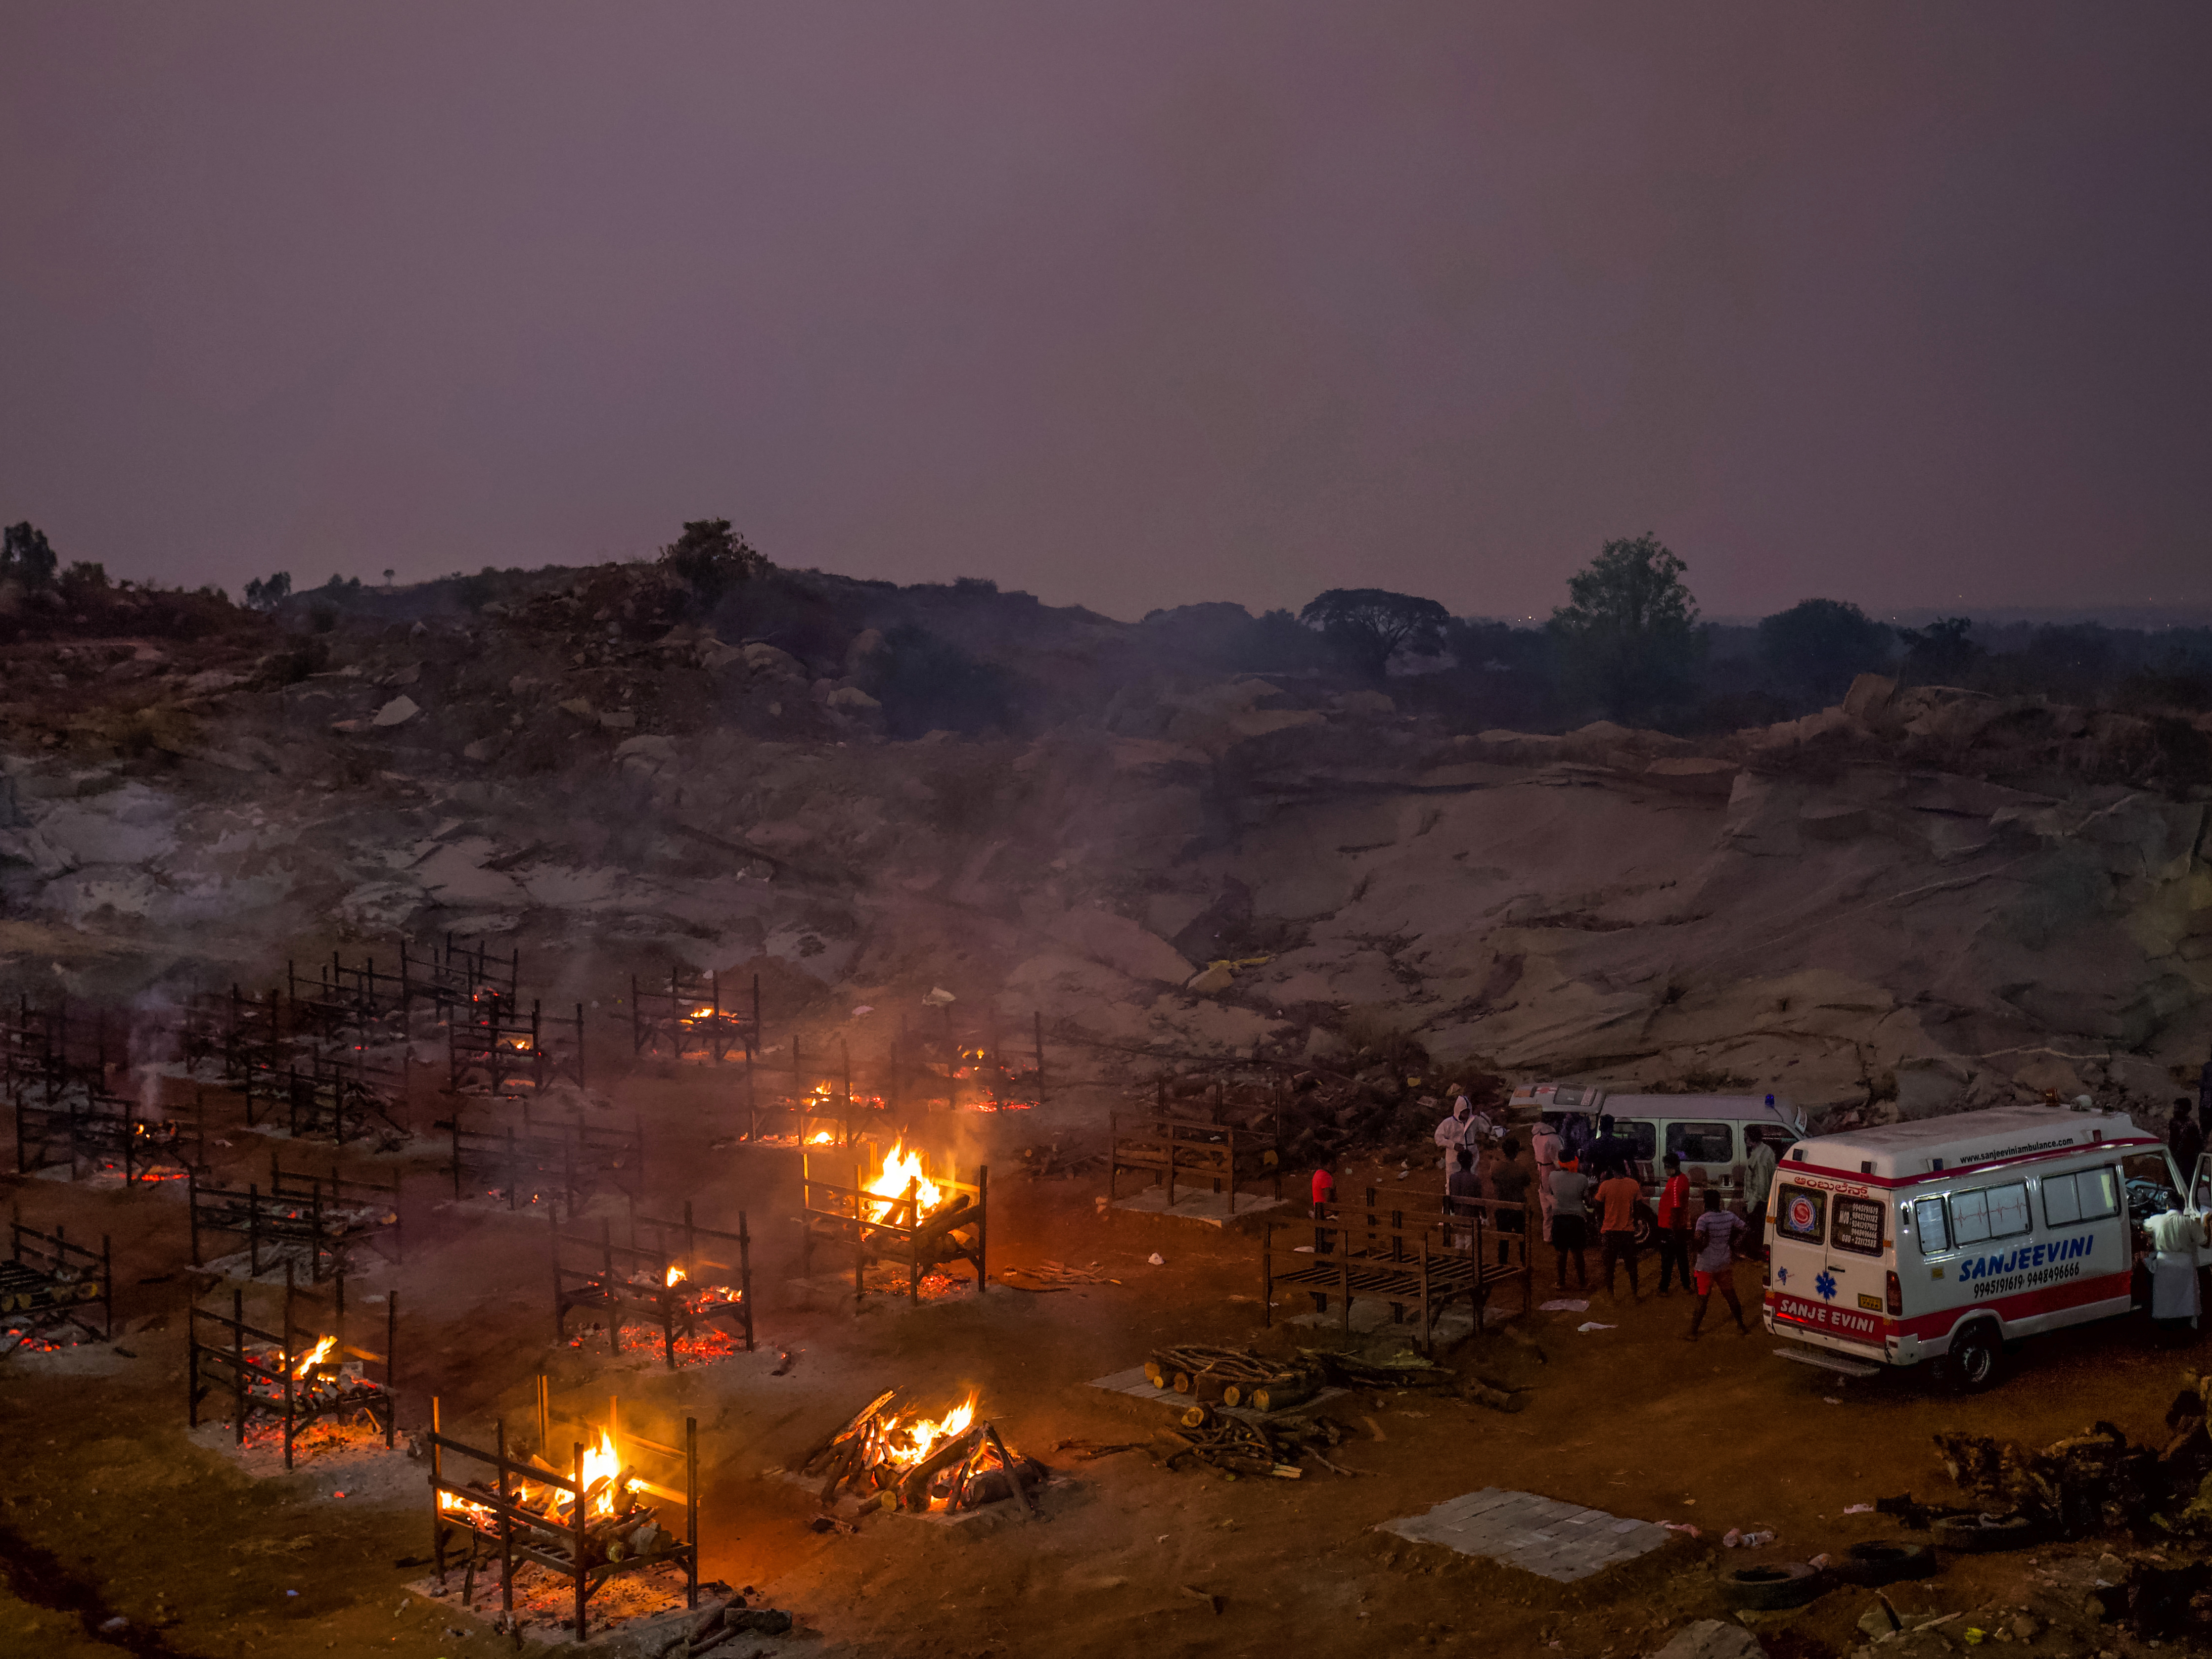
1214	1209
1546	1535
1133	1384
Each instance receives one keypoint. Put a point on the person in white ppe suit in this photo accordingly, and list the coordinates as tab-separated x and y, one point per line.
2175	1238
1465	1127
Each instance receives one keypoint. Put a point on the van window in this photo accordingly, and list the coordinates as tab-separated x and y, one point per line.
1642	1138
1859	1226
2088	1195
1802	1212
1700	1143
1932	1225
1990	1213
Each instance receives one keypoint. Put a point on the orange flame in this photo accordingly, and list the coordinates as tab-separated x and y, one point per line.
900	1167
315	1356
675	1274
821	1138
908	1442
600	1461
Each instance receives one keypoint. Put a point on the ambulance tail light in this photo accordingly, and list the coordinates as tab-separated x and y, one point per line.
1766	1273
1896	1297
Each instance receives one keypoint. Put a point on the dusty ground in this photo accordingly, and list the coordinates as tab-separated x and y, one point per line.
107	1509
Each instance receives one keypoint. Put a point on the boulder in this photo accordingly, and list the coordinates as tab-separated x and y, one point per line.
762	657
851	699
1869	698
1121	945
397	712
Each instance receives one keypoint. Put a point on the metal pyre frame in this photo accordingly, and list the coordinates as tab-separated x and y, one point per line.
77	1125
566	1160
1218	1155
48	1281
328	1214
1372	1251
890	1229
262	1370
688	1018
635	1278
500	1519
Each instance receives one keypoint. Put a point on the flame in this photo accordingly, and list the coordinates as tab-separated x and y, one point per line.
675	1275
906	1444
821	1138
316	1355
600	1461
453	1503
900	1167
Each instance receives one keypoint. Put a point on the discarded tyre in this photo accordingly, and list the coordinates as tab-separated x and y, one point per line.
1764	1588
1980	1534
1875	1564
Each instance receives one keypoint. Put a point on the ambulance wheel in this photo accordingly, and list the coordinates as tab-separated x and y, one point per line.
1972	1362
1764	1589
1876	1563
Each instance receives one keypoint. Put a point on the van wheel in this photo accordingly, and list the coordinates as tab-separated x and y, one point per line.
1973	1358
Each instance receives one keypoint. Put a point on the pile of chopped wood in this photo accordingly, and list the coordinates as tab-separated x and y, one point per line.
1235	1446
1231	1377
1409	1370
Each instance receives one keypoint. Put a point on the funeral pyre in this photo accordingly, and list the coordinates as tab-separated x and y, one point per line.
617	1526
910	1461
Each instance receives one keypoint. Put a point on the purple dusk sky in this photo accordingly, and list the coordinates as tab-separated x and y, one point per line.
1128	304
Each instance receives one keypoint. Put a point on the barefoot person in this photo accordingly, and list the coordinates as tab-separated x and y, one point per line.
1715	1237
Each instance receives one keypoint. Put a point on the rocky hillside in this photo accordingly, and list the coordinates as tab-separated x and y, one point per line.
1921	899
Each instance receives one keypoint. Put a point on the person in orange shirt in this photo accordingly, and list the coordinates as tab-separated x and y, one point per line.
1616	1197
1674	1225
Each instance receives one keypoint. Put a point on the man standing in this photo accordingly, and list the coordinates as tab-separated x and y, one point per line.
1462	1189
1509	1184
1570	1222
1546	1144
1716	1235
1674	1225
1616	1196
1759	1162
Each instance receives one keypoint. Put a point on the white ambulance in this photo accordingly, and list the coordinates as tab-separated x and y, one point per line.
1951	1237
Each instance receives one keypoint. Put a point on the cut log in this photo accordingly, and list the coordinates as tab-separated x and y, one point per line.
1280	1397
845	1428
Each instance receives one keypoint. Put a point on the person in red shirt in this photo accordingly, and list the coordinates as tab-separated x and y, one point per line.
1674	1225
1616	1197
1324	1195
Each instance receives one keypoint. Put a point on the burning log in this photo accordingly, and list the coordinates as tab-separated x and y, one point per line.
951	1462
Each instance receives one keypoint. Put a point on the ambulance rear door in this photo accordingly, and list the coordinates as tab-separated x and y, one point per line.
2200	1206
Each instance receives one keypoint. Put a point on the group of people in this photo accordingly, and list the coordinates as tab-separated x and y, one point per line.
1578	1178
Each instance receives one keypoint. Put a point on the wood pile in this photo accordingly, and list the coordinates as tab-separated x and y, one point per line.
1231	1377
966	1470
1412	1370
1237	1447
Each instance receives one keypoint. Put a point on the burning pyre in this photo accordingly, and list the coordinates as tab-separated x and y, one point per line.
616	1528
918	1462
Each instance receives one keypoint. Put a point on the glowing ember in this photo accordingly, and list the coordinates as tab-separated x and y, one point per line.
315	1356
900	1168
907	1443
675	1274
821	1138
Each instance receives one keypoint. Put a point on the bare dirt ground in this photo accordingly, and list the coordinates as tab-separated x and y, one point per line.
110	1510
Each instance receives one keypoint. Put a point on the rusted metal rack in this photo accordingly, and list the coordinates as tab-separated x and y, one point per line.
563	1161
451	973
1408	1253
894	1229
335	1098
981	1067
687	1017
80	1126
674	1289
271	1374
47	1282
1213	1157
328	1215
498	1049
515	1515
57	1047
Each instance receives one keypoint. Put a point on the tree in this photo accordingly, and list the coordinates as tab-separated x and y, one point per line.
1629	630
1941	651
711	558
1369	626
25	554
1817	645
267	595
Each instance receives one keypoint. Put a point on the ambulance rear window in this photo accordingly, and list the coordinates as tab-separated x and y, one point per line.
1802	1214
1859	1226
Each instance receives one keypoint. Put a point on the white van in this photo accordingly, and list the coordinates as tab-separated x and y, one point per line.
1706	1131
1953	1235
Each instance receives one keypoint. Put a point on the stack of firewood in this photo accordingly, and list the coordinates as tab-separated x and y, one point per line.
1235	1446
968	1469
1232	1377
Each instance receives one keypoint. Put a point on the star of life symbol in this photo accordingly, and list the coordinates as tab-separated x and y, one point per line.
1825	1285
